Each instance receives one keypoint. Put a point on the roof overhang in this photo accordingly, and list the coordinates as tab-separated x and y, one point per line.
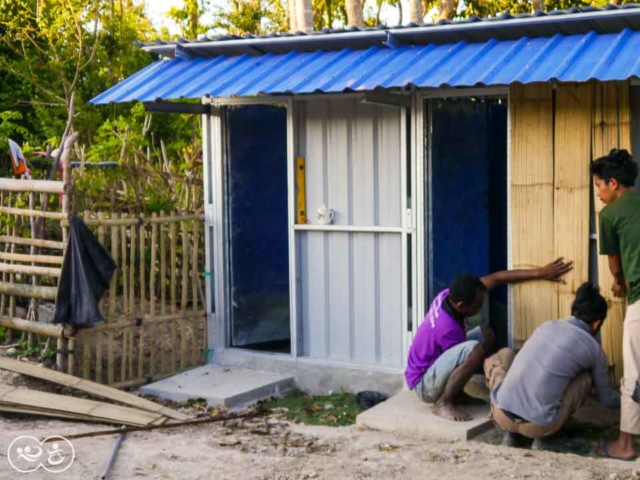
560	58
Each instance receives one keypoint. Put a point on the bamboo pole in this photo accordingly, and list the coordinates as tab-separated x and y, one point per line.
7	246
152	296
163	268
112	305
59	353
132	294
185	293
22	290
25	212
31	186
136	220
32	314
30	270
174	254
123	369
30	241
163	292
39	328
125	272
86	350
71	345
194	300
143	267
31	258
141	351
132	273
12	298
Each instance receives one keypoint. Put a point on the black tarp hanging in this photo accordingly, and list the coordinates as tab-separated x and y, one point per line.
86	272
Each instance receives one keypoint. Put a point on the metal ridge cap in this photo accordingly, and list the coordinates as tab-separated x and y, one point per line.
272	41
519	22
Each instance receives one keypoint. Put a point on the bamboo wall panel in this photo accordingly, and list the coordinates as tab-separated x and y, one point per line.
611	129
531	213
572	148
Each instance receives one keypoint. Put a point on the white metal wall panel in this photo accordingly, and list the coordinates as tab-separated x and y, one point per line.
351	282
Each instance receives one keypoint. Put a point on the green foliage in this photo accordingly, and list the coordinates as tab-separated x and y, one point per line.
188	16
331	410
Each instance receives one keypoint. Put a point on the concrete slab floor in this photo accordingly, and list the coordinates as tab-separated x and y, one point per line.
221	386
405	413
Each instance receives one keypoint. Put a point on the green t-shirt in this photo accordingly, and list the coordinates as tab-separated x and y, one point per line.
620	235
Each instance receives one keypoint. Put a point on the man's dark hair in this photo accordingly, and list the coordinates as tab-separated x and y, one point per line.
464	287
589	305
619	165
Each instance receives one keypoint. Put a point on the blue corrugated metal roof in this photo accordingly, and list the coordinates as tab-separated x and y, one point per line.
575	58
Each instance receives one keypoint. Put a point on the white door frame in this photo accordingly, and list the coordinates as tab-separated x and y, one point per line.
217	217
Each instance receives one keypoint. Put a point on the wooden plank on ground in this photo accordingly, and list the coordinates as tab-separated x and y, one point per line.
572	146
87	386
531	201
610	131
51	402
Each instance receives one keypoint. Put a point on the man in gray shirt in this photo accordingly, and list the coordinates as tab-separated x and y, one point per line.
536	392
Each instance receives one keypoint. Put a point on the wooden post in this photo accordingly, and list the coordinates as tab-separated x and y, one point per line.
125	272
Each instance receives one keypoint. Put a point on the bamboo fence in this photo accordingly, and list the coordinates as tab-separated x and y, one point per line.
154	310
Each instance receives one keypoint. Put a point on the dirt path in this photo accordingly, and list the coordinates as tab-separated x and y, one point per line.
299	452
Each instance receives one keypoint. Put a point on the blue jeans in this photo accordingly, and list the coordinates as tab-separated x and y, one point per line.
432	383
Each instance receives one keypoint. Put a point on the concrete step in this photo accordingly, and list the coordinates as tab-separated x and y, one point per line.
221	386
404	413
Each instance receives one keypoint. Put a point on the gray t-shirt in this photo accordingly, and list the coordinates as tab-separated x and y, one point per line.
554	355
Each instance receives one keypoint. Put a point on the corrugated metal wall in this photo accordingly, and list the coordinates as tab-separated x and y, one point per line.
351	282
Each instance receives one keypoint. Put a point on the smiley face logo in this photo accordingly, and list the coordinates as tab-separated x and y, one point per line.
27	454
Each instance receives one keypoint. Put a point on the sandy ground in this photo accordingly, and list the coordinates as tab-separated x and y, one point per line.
289	451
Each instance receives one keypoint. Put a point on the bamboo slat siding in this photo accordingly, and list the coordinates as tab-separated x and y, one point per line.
572	155
531	213
611	129
553	140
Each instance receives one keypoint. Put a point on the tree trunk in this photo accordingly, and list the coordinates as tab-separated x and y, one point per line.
447	9
537	6
355	16
293	18
304	11
415	11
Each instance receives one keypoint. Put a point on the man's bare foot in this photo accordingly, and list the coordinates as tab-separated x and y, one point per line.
450	412
616	451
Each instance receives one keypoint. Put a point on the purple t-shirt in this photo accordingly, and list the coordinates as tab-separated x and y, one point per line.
439	332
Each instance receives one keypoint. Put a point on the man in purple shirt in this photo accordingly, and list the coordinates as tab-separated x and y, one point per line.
444	355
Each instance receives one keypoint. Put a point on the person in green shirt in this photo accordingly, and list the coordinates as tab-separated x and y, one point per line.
614	177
